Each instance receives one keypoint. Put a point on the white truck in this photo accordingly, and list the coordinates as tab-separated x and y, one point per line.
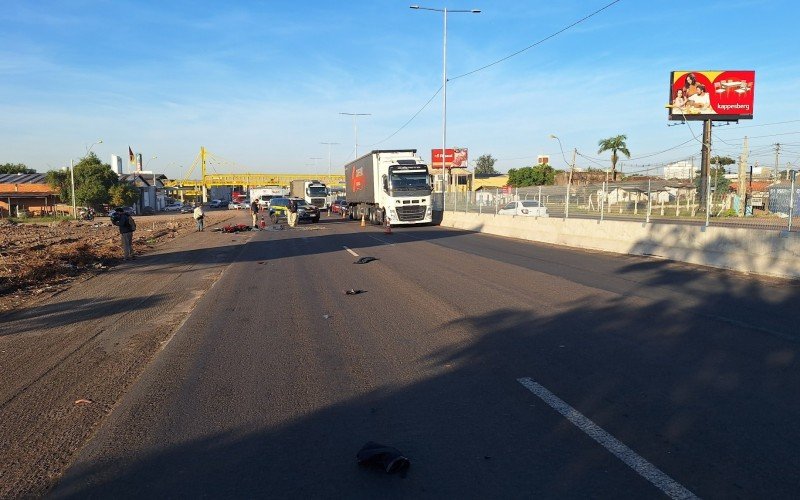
313	192
389	183
265	193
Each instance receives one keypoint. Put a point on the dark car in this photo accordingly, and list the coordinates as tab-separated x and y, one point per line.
306	211
339	207
278	208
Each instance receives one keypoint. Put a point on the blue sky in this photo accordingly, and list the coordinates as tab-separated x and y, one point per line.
261	84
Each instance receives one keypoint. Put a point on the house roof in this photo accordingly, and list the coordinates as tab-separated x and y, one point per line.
23	179
143	180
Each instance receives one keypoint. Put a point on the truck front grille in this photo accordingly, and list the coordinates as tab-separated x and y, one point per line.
318	202
411	213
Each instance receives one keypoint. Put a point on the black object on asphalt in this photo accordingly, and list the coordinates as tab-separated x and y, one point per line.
364	260
354	291
389	459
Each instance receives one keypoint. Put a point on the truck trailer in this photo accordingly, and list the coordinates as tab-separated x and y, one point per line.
393	184
265	193
313	192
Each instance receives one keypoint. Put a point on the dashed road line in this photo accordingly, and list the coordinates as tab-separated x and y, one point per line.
351	252
644	468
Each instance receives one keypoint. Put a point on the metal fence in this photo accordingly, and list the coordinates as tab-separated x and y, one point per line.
646	202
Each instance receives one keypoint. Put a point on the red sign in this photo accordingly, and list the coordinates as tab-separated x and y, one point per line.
711	95
453	158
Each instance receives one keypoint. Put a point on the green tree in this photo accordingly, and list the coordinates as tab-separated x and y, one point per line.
59	181
722	161
15	168
716	177
123	195
539	175
616	145
93	179
485	165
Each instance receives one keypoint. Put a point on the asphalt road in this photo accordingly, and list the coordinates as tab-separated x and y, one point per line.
501	368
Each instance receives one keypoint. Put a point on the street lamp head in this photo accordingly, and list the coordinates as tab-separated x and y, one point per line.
476	11
552	136
414	6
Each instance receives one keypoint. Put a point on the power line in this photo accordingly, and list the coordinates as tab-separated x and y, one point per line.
553	35
410	119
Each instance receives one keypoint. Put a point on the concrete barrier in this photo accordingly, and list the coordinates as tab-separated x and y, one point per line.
758	251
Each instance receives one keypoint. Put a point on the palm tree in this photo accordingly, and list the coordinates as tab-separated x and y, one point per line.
615	145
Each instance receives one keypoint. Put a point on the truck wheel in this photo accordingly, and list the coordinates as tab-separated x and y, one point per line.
273	218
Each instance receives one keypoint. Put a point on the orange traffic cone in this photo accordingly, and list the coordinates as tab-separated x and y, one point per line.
263	224
387	227
363	223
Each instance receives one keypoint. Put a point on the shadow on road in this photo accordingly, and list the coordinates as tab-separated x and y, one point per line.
710	402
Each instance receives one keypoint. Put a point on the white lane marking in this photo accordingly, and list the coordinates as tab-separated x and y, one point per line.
609	442
351	252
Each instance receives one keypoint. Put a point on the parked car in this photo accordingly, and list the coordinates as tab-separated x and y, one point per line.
216	204
339	207
525	208
187	209
174	207
127	210
238	205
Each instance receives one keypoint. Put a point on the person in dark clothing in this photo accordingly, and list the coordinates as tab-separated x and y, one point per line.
126	226
254	212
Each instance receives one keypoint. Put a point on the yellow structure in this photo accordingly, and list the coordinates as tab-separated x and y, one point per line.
193	187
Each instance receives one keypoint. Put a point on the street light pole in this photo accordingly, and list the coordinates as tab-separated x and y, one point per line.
444	89
571	170
329	144
72	180
355	127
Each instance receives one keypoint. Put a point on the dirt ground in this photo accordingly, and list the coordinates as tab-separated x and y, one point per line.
39	260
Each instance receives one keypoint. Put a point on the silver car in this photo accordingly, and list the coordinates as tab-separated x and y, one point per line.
524	208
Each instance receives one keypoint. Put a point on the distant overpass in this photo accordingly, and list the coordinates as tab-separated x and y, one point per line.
194	187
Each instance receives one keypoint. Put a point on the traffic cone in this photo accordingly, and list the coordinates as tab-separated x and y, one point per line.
387	227
263	224
363	223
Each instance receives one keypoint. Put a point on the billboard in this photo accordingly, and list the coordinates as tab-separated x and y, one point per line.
711	95
453	158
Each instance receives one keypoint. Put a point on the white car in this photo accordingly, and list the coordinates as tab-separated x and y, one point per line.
524	208
173	207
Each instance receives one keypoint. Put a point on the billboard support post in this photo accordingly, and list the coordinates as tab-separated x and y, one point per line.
705	162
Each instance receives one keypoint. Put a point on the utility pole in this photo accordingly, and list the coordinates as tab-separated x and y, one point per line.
777	155
742	185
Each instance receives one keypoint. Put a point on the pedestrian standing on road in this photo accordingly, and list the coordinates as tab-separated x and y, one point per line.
126	226
291	213
198	216
254	213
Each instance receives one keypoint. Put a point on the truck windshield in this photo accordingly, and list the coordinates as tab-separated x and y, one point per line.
409	180
316	191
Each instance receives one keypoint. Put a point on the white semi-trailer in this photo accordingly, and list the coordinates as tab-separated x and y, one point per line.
393	184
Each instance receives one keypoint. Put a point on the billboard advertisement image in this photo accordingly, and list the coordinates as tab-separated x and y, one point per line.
453	158
711	95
